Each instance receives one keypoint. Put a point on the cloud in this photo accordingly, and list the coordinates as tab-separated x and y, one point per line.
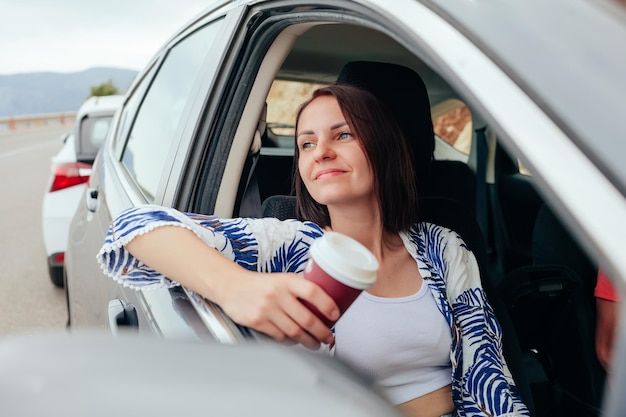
72	35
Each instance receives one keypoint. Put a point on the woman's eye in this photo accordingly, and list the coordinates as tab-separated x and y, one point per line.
345	135
306	145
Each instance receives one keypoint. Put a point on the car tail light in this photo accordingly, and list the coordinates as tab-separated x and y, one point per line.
69	175
58	258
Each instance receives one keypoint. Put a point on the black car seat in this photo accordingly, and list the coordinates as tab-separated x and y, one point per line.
552	306
404	92
515	203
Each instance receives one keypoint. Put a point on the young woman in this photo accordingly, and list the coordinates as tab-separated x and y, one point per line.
425	330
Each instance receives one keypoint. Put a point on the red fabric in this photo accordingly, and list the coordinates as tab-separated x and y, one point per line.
604	288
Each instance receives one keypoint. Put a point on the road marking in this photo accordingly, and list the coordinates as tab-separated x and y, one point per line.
26	149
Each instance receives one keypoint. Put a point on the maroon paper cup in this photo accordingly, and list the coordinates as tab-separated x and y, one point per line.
342	267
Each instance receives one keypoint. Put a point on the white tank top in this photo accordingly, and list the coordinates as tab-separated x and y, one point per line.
403	343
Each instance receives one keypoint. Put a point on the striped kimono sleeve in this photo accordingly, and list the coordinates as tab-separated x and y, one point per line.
264	245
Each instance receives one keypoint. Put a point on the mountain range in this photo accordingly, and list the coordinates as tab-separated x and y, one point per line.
55	92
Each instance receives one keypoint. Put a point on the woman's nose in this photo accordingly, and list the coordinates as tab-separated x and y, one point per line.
324	150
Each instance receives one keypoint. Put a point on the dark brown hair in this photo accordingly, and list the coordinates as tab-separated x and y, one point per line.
386	149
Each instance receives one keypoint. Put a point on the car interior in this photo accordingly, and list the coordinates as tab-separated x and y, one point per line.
538	279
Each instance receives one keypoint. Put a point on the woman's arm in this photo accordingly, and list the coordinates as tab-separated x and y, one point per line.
265	302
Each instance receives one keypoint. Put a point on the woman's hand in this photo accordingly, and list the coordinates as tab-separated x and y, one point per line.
270	303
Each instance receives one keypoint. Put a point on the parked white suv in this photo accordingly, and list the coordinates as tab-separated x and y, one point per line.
70	171
535	88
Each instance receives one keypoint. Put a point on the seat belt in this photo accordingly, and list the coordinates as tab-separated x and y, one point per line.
251	200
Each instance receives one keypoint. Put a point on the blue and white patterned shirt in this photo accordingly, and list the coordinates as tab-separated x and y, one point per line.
481	382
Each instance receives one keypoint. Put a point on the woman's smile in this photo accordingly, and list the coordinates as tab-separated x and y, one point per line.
328	173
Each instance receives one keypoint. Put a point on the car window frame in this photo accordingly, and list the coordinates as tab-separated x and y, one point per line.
211	138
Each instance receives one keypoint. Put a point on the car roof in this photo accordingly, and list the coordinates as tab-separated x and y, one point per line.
100	104
569	56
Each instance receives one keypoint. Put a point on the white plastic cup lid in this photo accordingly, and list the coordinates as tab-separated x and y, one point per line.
345	259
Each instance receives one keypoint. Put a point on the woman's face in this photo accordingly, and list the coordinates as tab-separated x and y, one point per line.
332	163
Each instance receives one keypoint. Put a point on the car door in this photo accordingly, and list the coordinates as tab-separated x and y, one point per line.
132	169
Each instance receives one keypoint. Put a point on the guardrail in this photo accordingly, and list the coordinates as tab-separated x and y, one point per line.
14	123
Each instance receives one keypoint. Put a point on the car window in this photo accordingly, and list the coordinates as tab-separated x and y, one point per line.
93	132
452	123
522	168
99	131
128	112
282	105
161	111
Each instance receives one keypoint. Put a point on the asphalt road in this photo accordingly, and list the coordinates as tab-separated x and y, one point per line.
29	302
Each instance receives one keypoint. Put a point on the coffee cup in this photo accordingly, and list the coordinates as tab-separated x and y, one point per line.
342	267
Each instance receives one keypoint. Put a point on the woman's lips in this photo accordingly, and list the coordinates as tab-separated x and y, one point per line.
328	173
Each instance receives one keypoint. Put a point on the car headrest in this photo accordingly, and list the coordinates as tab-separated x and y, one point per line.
282	207
404	92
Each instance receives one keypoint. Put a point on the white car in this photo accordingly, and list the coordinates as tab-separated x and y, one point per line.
71	168
535	91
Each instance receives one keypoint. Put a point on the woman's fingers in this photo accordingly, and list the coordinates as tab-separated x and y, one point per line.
294	321
281	327
315	296
271	304
294	332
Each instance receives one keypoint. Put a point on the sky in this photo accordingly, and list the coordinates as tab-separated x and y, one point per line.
74	35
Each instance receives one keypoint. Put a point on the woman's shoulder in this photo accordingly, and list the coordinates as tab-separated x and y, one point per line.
433	236
289	226
426	228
